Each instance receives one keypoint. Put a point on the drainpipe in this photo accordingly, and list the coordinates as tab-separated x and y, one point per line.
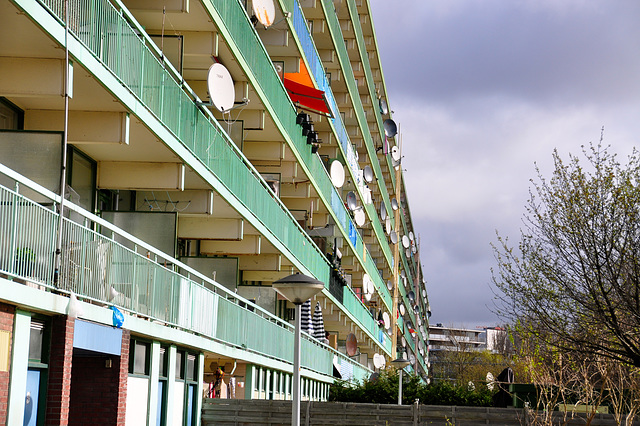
63	169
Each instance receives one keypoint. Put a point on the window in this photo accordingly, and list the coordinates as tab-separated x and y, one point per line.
161	418
187	371
11	117
139	352
37	373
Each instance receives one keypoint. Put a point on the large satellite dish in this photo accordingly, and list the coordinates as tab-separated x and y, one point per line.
359	216
411	235
390	128
265	11
405	241
367	297
404	342
395	153
401	308
378	361
367	173
384	108
394	237
411	296
352	344
394	204
386	319
336	171
220	87
407	253
387	224
352	202
383	211
389	285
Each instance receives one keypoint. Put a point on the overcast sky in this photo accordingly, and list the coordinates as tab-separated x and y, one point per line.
482	90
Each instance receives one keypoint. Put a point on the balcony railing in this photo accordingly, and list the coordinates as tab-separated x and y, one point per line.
93	263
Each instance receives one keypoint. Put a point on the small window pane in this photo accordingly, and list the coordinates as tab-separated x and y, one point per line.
141	361
163	361
179	365
35	341
191	367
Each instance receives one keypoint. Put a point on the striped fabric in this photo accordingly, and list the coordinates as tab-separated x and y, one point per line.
318	325
305	318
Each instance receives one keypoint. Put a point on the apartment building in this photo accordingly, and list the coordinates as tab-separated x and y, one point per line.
162	163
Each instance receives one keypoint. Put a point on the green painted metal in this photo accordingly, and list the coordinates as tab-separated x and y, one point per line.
114	37
93	263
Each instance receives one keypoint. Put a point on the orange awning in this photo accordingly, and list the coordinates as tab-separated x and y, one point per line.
307	97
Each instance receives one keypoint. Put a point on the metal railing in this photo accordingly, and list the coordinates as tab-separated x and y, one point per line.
93	263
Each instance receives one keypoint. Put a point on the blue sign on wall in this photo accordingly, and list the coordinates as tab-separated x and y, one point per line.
97	338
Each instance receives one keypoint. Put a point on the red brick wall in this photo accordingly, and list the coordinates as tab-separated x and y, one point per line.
7	315
98	393
60	362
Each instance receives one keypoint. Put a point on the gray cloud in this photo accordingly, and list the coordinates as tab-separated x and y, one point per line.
482	90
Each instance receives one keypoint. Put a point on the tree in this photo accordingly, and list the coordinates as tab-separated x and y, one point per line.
576	271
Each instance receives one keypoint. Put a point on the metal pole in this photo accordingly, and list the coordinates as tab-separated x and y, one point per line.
63	168
400	388
295	410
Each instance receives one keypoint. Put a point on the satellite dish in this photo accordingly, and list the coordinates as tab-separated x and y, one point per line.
411	296
265	11
401	308
390	128
372	287
352	344
387	224
365	283
406	243
395	153
412	359
407	253
411	235
404	342
351	200
383	211
359	216
394	237
394	204
490	381
384	108
424	293
374	376
386	319
389	285
377	362
367	297
367	172
414	249
384	361
336	171
220	87
402	274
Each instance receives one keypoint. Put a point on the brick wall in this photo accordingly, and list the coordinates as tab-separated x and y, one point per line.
7	315
60	362
99	393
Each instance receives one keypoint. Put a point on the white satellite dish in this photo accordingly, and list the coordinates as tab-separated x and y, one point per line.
386	319
401	307
367	297
378	360
394	204
405	241
407	253
220	87
383	361
404	342
336	171
265	11
359	216
394	237
367	173
389	285
412	359
352	202
387	224
383	211
365	283
414	249
372	287
395	153
411	235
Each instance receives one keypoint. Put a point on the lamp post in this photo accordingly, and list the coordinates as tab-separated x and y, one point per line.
400	364
297	288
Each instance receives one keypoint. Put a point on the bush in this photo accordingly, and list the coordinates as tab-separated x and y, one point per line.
384	390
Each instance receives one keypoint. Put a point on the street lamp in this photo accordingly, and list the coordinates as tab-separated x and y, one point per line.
400	363
297	288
